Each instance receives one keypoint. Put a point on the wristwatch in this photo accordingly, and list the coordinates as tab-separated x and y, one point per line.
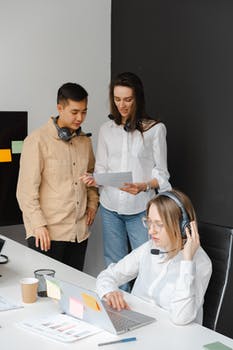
148	187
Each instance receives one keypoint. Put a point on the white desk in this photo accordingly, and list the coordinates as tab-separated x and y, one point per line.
161	335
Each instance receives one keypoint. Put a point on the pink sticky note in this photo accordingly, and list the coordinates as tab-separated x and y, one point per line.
76	308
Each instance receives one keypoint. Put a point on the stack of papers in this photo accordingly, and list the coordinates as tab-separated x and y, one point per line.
60	327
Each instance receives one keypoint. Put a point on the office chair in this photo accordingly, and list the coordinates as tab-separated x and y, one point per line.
217	241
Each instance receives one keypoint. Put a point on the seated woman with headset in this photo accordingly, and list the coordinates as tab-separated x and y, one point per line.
171	269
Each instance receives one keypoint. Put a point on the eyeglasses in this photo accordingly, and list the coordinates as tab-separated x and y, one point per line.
148	223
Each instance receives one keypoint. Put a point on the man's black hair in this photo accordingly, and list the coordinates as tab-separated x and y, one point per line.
71	91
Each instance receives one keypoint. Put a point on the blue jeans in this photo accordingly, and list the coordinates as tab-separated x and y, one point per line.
119	231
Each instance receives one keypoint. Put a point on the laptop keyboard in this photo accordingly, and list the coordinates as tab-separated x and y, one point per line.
121	322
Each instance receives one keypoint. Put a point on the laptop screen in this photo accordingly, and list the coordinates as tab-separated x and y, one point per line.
86	305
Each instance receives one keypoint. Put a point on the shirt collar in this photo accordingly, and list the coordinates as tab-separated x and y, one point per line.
52	128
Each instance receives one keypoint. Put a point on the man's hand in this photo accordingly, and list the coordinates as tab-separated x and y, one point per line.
42	238
90	216
116	300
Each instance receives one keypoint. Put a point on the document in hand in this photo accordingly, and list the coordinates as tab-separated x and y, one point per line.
113	179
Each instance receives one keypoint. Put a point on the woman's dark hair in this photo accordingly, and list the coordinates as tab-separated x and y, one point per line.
132	81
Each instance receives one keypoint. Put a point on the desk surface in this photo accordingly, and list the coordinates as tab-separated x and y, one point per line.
159	335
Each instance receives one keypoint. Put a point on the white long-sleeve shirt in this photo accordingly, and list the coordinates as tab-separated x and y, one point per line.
143	154
175	285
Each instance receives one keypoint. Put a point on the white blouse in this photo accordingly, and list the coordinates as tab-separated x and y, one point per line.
175	285
143	154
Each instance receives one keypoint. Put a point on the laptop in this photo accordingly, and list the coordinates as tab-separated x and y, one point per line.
86	305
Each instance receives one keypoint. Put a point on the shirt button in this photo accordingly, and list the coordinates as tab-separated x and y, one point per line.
78	203
75	183
74	163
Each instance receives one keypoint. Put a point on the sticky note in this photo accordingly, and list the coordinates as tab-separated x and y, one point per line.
5	155
216	346
90	301
53	290
16	146
76	308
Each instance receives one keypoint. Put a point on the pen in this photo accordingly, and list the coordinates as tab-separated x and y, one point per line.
125	340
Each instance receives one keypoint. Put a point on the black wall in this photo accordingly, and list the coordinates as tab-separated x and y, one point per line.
183	51
13	128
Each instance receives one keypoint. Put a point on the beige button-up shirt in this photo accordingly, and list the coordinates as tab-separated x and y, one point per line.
49	191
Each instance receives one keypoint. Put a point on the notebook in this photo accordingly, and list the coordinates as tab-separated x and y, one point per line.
86	305
216	346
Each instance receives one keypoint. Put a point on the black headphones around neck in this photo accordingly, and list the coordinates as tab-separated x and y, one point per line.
65	134
127	127
185	221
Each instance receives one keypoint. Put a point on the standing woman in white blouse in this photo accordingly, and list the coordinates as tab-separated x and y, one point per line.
130	141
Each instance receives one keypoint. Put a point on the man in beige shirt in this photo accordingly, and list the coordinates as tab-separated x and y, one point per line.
57	207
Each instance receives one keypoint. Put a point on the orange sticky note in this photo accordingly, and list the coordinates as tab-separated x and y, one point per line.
76	307
90	301
5	155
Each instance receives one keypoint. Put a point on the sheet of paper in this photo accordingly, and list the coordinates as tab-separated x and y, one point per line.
5	155
16	146
63	328
53	290
90	301
113	179
6	304
76	308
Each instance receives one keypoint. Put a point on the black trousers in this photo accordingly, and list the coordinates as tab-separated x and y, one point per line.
70	253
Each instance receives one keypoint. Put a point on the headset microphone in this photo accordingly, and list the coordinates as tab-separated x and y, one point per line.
88	134
157	251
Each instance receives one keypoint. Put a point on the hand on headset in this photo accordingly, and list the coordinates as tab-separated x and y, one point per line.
192	241
116	300
42	238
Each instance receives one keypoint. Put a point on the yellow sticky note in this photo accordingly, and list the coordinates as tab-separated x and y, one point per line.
76	308
5	155
53	290
90	301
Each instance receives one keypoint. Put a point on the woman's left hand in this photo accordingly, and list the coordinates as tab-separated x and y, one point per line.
192	242
133	188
